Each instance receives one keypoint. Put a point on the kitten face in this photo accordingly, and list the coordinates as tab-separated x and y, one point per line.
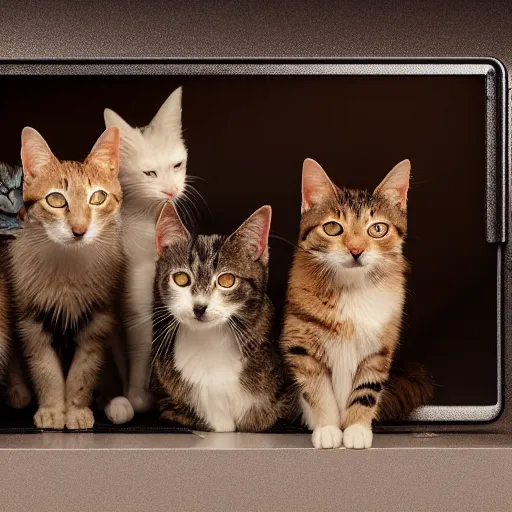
11	198
72	202
153	158
353	231
211	280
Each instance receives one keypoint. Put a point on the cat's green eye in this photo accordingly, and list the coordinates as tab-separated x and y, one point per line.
226	280
333	228
99	197
181	279
56	200
378	230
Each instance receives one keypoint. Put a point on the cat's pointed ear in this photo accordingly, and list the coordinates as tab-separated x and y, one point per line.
396	184
35	153
114	119
168	117
169	227
105	153
316	185
253	233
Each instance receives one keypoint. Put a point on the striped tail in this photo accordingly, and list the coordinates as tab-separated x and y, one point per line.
407	388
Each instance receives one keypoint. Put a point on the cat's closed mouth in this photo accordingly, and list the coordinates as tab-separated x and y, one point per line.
354	264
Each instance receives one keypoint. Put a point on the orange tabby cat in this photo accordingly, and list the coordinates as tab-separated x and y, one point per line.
67	266
344	307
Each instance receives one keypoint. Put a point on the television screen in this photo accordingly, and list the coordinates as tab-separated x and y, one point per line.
248	130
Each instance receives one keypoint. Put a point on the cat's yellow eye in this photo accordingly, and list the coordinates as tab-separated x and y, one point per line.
56	200
181	279
378	230
226	280
99	197
333	228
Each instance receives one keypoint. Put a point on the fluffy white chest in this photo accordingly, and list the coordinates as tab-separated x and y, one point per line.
139	237
211	362
368	310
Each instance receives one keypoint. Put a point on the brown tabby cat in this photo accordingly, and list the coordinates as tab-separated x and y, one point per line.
215	365
67	265
344	307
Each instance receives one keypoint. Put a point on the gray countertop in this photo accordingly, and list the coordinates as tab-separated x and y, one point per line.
253	472
241	441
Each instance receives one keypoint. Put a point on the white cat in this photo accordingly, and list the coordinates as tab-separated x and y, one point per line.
152	170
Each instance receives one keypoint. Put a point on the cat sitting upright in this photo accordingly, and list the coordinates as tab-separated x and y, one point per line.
344	308
67	269
214	364
152	171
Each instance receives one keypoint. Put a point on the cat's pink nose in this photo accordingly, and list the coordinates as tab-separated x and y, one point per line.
169	193
356	251
79	231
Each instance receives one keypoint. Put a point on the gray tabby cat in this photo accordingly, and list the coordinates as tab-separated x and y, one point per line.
11	204
214	365
11	197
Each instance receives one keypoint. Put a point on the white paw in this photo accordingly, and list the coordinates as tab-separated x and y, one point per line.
119	410
223	425
49	417
141	400
18	396
327	437
358	436
79	418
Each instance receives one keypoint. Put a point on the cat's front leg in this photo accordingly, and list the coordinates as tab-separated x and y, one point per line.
175	416
319	407
363	401
4	346
46	372
18	392
179	412
222	423
83	375
139	329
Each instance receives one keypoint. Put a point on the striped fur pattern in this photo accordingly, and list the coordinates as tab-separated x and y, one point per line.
407	387
67	263
214	364
11	199
345	301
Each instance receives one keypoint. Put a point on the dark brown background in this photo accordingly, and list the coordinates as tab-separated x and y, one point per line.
247	138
